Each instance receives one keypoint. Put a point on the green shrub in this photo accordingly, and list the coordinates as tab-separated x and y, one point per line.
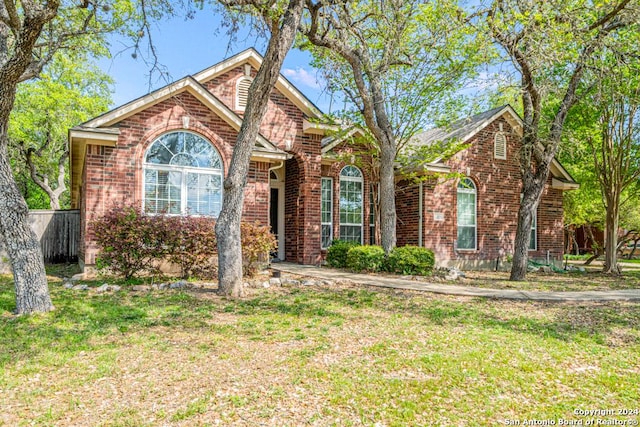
411	260
257	243
365	258
337	253
133	243
190	242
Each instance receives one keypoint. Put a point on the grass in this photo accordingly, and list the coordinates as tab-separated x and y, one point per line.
336	355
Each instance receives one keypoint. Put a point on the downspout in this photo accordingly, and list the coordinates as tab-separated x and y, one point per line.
274	168
420	214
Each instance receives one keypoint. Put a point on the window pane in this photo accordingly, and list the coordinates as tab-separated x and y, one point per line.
174	142
162	191
204	194
351	233
466	237
326	196
533	243
351	204
466	213
326	235
158	154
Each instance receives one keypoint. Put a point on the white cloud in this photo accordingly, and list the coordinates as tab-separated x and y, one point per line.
302	77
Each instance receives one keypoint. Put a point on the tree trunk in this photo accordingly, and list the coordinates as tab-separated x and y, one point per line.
228	223
523	239
23	248
43	182
530	199
22	245
611	236
594	245
387	198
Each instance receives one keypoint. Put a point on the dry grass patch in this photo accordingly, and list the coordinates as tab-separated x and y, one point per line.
573	281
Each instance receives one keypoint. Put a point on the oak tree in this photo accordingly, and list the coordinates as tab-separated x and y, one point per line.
396	62
281	19
31	34
550	45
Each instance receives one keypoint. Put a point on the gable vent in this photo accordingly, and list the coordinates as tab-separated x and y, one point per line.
242	93
500	146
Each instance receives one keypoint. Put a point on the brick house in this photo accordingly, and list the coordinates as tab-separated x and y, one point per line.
168	152
470	221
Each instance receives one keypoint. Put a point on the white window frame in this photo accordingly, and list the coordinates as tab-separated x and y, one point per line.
324	223
239	106
359	179
473	191
183	170
500	139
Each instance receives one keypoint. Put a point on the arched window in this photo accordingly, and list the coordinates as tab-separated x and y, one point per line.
351	204
467	224
500	146
182	175
242	93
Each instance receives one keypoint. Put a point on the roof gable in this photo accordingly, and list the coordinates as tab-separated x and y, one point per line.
253	58
186	84
465	129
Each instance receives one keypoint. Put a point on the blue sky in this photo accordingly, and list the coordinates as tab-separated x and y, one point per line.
187	46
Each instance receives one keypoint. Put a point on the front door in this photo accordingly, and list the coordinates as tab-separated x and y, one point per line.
276	210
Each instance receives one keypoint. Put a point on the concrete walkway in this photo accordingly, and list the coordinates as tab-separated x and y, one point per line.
399	283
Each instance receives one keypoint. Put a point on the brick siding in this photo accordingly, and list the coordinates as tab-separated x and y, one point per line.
498	184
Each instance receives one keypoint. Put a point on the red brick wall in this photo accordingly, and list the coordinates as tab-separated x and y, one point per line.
498	186
256	194
408	215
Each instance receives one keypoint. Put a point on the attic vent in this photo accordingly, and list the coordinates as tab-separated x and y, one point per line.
242	93
500	146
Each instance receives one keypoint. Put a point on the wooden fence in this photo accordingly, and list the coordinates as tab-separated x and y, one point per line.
59	234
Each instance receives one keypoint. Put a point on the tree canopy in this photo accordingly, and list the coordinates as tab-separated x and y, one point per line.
69	91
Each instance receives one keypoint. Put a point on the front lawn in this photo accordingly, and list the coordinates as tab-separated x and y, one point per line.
336	355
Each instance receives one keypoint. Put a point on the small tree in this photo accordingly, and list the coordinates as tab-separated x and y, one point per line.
70	91
616	145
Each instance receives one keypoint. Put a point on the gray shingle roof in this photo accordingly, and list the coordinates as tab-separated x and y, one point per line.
456	130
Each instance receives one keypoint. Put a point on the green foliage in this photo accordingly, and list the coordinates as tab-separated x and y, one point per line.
337	253
365	258
411	260
133	243
257	243
130	241
421	54
68	92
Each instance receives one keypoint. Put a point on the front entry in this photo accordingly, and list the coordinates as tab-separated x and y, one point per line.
276	209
